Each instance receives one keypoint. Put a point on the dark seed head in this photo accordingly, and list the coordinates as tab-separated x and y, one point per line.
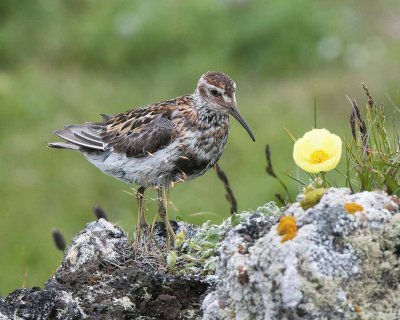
58	239
100	213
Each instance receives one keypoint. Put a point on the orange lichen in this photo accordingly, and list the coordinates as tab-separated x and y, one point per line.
287	228
352	207
357	308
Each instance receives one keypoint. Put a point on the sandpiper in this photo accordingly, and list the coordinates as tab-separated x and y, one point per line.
163	143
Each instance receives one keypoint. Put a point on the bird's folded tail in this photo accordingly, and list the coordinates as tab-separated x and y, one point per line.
78	137
63	145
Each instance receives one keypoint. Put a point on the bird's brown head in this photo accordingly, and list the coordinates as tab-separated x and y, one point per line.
217	90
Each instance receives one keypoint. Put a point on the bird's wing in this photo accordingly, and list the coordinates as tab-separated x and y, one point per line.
140	132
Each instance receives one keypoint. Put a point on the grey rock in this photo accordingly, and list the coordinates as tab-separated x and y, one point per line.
101	278
339	265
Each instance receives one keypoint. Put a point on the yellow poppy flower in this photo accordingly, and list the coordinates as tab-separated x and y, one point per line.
318	150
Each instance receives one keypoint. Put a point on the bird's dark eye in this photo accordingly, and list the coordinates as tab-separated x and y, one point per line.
215	92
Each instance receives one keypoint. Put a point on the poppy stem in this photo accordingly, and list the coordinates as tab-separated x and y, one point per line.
323	176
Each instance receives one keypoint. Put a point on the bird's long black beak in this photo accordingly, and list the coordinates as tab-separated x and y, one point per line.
234	111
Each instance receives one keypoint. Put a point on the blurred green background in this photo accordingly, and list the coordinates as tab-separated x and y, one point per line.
65	62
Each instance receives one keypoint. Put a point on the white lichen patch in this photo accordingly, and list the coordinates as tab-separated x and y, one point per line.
97	241
100	288
125	302
3	317
331	269
72	302
291	282
146	296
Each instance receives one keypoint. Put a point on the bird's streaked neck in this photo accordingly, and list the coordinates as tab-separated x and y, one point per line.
206	112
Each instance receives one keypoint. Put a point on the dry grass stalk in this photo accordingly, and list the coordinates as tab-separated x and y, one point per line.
270	171
229	193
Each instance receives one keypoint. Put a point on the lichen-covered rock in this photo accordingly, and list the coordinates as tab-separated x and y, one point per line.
100	242
335	258
343	263
41	304
104	276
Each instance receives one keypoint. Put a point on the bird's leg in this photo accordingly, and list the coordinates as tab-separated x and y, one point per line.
163	213
142	223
